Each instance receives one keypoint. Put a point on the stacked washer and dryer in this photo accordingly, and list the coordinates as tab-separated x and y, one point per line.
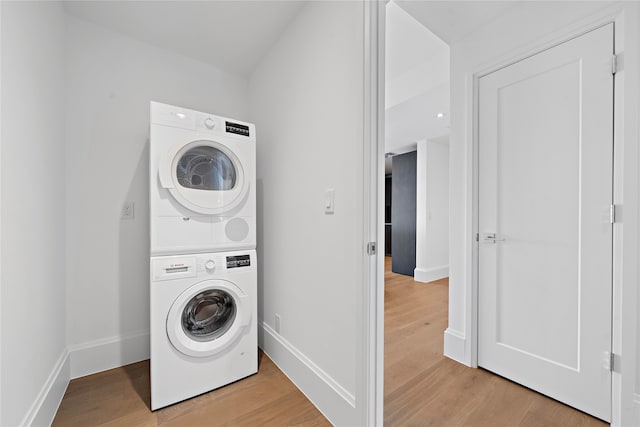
203	294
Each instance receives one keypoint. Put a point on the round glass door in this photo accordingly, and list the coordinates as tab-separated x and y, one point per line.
205	177
209	315
206	168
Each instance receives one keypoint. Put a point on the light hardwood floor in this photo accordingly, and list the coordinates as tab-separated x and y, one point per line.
120	397
422	387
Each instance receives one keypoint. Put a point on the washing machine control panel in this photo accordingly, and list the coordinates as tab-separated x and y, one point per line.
218	263
209	265
238	261
173	268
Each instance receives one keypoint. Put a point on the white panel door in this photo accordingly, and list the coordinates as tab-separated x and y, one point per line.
545	237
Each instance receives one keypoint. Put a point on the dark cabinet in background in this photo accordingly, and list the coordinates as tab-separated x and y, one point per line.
387	215
403	213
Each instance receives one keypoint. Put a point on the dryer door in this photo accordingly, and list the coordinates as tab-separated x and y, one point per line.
204	176
207	318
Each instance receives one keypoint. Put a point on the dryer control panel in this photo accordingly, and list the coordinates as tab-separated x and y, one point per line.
184	118
237	128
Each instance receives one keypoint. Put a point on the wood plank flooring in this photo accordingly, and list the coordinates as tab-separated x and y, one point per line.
120	397
422	387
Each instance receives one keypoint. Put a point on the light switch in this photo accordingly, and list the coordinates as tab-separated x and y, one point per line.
329	201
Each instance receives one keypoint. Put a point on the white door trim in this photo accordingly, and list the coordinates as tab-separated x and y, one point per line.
372	334
626	159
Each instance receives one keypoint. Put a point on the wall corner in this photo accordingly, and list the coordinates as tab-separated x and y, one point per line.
44	408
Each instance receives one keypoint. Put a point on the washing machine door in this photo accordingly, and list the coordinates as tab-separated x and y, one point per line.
207	318
204	176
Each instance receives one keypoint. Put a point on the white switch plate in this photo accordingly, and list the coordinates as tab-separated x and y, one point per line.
127	210
329	201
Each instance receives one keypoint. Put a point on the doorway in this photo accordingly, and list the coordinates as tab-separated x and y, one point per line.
416	209
461	348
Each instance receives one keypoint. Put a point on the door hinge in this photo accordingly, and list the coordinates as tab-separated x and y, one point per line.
371	248
477	237
612	214
612	363
609	361
617	62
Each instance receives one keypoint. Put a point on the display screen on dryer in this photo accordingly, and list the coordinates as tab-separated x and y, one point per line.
238	261
237	128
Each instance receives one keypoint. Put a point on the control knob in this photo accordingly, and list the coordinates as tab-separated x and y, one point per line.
209	265
209	123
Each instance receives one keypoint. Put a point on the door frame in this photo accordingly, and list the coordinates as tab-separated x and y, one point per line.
625	238
371	340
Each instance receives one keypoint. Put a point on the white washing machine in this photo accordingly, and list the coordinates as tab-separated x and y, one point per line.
202	183
203	323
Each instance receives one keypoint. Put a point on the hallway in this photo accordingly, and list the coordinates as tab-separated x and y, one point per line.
424	388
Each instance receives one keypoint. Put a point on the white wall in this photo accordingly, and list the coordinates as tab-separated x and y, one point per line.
34	369
520	31
432	216
307	103
111	78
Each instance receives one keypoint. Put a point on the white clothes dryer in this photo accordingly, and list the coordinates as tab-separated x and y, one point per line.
202	182
203	323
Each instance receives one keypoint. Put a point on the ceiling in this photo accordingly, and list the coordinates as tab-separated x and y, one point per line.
417	119
418	36
454	20
417	82
408	42
232	35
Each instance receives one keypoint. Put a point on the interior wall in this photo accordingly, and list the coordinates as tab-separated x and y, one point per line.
33	210
306	100
111	78
432	192
523	29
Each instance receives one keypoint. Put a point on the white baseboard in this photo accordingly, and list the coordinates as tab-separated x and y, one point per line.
431	274
454	345
335	402
108	353
44	408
